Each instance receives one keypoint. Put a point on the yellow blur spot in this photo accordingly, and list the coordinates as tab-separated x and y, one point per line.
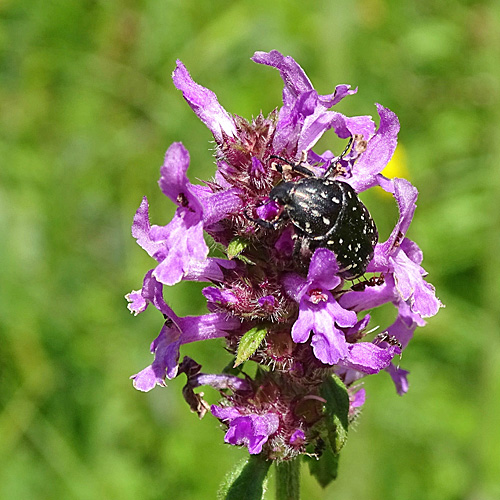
397	167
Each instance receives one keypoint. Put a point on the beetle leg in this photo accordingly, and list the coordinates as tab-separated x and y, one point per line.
334	165
295	166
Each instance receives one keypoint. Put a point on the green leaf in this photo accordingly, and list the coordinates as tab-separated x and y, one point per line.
326	468
236	246
247	482
249	343
337	411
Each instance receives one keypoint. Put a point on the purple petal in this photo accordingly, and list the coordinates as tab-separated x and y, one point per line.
213	294
285	244
301	329
353	333
341	91
141	230
177	246
201	192
268	303
250	430
341	316
329	346
137	303
371	297
268	211
257	168
220	382
320	120
368	358
412	250
184	246
345	126
165	360
173	180
211	269
295	286
328	342
380	262
204	103
208	326
295	80
221	204
152	292
289	125
410	317
148	378
400	378
225	412
360	125
406	196
379	151
323	269
313	128
386	184
304	117
175	333
411	286
358	399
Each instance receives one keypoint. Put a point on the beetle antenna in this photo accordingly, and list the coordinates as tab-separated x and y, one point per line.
333	166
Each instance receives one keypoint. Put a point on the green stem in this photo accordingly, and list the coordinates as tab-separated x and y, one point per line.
288	480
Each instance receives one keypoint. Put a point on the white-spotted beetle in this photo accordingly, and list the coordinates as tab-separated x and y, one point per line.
327	213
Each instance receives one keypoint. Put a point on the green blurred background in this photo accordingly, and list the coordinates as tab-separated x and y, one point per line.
87	110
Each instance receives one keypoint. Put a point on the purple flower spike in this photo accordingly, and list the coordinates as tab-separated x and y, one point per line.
282	242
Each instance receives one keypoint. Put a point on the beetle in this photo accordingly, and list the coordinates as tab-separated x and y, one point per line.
327	213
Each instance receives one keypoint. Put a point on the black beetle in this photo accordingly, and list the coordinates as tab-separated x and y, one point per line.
327	213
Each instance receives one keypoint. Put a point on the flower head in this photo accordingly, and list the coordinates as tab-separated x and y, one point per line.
280	294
